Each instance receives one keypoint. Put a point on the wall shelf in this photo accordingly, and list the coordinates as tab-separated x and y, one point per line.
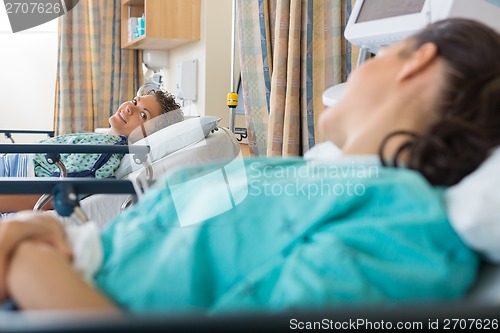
168	23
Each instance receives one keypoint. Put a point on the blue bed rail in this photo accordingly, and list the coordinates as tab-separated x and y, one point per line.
140	151
8	133
80	185
65	190
25	148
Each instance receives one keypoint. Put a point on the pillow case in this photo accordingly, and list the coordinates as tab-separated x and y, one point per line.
169	140
155	124
474	208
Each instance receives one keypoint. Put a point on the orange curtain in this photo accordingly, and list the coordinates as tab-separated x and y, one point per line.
94	74
291	52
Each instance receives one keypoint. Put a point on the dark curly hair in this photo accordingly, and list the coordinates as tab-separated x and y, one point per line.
166	100
469	124
166	118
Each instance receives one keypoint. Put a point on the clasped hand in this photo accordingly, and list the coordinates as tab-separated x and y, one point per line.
28	226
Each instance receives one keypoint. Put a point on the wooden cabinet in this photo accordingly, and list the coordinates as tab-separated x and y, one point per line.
168	23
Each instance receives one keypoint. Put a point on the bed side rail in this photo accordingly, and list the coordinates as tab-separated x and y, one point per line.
37	148
140	151
8	133
65	191
39	185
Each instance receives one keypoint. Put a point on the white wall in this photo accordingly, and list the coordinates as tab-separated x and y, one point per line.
28	66
213	53
28	63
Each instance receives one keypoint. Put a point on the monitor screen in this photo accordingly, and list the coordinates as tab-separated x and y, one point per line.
380	9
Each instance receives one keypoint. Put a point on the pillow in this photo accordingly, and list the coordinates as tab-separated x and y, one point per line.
474	208
169	140
157	123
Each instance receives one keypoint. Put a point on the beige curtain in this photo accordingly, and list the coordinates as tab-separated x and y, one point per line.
291	52
94	74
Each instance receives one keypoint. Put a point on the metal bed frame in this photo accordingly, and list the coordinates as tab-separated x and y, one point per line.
65	190
439	317
8	133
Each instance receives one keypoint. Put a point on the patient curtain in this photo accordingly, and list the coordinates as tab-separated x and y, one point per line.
291	51
94	75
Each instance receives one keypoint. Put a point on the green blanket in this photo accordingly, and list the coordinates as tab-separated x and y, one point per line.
297	235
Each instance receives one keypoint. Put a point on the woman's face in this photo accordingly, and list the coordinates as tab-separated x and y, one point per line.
367	88
134	113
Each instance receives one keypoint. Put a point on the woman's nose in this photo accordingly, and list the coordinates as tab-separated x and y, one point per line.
131	108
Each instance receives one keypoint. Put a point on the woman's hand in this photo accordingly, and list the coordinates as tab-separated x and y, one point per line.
32	226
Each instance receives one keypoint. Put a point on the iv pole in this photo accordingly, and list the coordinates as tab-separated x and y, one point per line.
232	97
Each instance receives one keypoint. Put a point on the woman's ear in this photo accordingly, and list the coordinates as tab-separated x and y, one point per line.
418	61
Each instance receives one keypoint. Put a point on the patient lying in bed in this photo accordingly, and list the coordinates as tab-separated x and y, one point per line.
297	233
133	120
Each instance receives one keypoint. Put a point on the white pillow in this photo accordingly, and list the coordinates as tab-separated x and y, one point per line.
169	140
155	124
474	208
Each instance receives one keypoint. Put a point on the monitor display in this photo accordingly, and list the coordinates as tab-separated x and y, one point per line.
380	9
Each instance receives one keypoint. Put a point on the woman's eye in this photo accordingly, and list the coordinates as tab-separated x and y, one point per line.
144	115
134	101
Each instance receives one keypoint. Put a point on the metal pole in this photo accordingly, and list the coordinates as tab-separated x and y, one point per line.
232	110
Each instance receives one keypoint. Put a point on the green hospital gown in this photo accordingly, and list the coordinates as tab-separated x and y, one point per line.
82	165
297	238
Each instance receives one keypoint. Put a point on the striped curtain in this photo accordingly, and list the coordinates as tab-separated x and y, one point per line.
291	51
94	75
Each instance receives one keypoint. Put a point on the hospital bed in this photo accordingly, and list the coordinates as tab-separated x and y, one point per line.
482	302
218	146
374	24
64	190
194	141
453	317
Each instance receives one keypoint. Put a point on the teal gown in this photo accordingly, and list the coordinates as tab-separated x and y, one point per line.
277	234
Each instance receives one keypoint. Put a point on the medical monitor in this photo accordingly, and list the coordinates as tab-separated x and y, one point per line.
377	23
371	10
